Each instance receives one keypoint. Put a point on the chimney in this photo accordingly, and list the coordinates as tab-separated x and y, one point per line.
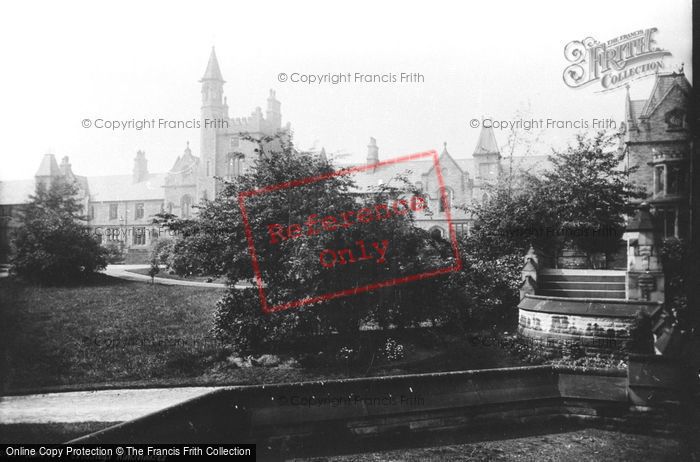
274	116
65	167
140	167
372	152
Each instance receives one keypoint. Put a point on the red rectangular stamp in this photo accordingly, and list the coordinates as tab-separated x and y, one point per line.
335	240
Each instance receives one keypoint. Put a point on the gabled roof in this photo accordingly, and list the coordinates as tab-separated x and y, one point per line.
414	170
662	86
184	163
213	72
114	188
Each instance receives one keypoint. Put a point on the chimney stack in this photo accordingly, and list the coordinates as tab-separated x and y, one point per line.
372	152
140	167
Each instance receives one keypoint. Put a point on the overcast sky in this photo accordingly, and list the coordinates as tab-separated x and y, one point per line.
124	60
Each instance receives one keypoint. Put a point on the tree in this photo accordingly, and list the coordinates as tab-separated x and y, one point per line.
52	244
154	269
588	191
291	268
580	202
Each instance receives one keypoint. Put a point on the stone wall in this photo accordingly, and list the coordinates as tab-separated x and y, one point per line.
332	417
598	325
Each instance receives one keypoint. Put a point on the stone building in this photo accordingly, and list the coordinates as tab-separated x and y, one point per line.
597	308
466	180
120	208
658	142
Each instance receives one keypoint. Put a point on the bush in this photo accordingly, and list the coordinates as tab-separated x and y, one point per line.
641	337
114	252
675	258
51	244
162	250
393	350
239	322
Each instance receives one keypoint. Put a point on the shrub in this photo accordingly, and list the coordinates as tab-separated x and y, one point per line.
114	252
393	350
641	337
51	244
162	249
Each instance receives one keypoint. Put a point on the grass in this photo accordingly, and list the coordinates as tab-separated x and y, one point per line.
109	330
113	333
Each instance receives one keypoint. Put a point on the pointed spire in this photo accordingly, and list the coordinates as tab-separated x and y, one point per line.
629	111
213	71
322	155
49	166
487	142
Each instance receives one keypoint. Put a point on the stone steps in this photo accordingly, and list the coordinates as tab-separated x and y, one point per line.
617	294
582	284
556	285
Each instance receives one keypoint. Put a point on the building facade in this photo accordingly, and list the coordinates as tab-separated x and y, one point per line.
659	143
120	208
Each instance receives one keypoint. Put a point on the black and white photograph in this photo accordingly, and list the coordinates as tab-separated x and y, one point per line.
342	232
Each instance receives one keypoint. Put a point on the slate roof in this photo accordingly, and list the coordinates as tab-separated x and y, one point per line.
122	188
48	166
487	142
637	109
413	170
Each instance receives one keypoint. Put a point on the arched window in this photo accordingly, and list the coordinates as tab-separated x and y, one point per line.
170	207
230	164
185	205
484	198
446	202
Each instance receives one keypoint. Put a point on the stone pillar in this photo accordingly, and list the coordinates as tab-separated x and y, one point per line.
645	277
528	275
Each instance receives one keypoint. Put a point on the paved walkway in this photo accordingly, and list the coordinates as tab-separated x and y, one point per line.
93	406
122	272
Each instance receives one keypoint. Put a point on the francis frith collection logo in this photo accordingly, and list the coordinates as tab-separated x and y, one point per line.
613	63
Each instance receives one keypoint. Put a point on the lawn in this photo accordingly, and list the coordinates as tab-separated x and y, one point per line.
115	333
109	330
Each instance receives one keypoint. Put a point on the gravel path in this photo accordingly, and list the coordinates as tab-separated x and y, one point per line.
123	272
93	406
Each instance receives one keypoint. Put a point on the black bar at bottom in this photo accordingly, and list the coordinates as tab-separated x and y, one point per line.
124	451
